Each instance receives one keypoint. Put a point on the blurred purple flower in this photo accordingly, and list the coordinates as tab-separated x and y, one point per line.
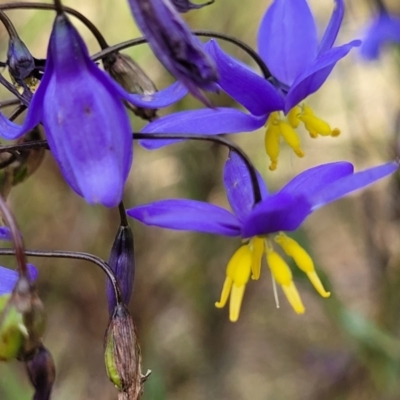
288	44
282	211
86	124
9	277
186	5
382	30
175	46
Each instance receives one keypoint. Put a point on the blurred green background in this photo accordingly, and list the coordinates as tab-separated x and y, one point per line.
344	347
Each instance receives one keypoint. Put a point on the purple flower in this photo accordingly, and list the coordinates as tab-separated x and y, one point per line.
9	277
288	44
86	124
282	211
383	29
175	46
186	5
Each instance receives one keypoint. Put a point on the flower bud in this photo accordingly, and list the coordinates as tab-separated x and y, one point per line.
22	322
42	373
122	355
186	5
25	163
133	79
19	60
122	262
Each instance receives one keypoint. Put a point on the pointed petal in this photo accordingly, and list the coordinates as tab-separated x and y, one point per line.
350	183
287	39
9	277
245	86
317	178
383	30
333	27
188	215
174	45
201	122
280	212
86	125
316	74
238	186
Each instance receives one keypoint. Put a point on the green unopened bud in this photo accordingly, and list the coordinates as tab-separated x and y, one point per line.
42	373
133	79
122	355
24	165
22	322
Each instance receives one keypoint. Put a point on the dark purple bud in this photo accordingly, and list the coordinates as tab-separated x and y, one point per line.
122	262
19	60
42	373
133	79
186	5
122	355
175	46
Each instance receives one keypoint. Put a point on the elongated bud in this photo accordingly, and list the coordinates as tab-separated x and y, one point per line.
122	262
122	355
185	5
42	373
25	164
22	322
133	79
19	60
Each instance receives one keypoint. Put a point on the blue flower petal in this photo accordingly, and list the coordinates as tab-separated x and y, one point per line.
9	277
202	122
287	39
350	183
315	179
312	78
332	30
5	233
238	186
279	212
245	86
188	215
383	30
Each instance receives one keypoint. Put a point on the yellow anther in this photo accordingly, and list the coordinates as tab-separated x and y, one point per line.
237	275
293	116
303	261
291	137
282	274
257	248
316	125
335	132
272	146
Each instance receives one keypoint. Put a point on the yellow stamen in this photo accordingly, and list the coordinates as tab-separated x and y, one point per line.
303	261
291	137
257	247
237	275
293	116
282	274
272	146
316	125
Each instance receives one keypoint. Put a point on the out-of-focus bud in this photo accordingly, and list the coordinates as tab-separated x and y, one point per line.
22	322
122	355
25	163
133	79
186	5
19	60
122	262
42	373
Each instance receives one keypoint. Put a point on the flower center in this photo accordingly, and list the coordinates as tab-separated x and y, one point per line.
280	126
246	261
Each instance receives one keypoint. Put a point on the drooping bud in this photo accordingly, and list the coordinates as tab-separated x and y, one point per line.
122	262
186	5
122	355
42	373
25	164
19	60
133	79
22	322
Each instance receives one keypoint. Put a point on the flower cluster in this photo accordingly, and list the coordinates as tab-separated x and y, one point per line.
78	106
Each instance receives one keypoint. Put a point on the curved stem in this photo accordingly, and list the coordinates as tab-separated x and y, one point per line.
44	6
9	102
156	136
8	25
135	42
16	237
14	90
76	256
